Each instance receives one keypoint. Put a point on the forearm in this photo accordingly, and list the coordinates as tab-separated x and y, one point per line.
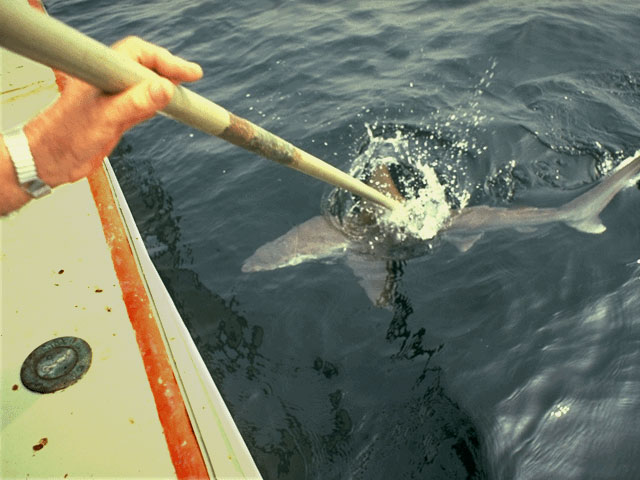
50	144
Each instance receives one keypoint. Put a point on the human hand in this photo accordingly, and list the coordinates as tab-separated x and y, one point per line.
71	138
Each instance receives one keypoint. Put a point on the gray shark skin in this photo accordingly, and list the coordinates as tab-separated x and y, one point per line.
317	239
312	240
582	213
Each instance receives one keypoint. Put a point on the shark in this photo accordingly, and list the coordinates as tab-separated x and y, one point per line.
318	238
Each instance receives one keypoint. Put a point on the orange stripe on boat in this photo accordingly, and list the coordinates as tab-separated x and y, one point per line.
183	446
37	4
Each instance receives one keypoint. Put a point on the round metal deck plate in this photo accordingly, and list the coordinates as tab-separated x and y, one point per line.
56	364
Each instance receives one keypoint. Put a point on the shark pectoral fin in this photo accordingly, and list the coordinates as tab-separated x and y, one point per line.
589	225
314	239
463	242
376	277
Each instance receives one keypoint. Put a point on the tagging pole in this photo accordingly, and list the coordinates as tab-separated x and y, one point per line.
49	41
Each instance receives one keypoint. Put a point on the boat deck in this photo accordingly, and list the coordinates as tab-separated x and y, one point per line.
58	280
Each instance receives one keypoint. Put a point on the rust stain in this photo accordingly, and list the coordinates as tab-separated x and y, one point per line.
26	90
13	89
40	445
99	290
15	387
61	271
244	134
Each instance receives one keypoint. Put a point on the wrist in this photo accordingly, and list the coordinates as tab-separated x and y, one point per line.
12	196
48	149
17	144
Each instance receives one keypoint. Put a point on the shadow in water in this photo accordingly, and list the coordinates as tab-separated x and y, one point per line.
448	444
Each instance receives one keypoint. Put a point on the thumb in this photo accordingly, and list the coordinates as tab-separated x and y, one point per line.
141	102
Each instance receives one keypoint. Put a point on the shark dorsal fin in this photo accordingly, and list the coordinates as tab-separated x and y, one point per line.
464	242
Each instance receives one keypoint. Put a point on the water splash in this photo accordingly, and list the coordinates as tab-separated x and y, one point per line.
424	168
432	166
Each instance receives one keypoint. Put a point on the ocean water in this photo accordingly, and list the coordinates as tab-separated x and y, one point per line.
517	359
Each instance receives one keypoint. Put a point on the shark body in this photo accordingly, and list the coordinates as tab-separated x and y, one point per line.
317	238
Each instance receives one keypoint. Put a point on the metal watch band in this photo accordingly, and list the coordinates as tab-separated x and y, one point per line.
18	146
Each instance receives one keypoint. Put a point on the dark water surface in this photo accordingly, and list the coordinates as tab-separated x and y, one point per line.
518	359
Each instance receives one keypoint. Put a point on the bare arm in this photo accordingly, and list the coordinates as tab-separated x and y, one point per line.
70	139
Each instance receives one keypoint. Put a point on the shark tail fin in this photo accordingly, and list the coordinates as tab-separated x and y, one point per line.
588	225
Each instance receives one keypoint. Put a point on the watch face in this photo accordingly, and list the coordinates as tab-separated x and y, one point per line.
36	188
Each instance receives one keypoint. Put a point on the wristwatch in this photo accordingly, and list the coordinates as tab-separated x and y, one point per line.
18	146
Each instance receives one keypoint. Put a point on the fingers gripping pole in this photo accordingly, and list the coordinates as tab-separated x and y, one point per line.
48	41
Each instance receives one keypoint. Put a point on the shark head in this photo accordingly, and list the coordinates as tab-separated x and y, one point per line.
380	233
357	229
348	225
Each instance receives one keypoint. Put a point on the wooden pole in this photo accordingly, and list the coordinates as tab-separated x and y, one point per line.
51	42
